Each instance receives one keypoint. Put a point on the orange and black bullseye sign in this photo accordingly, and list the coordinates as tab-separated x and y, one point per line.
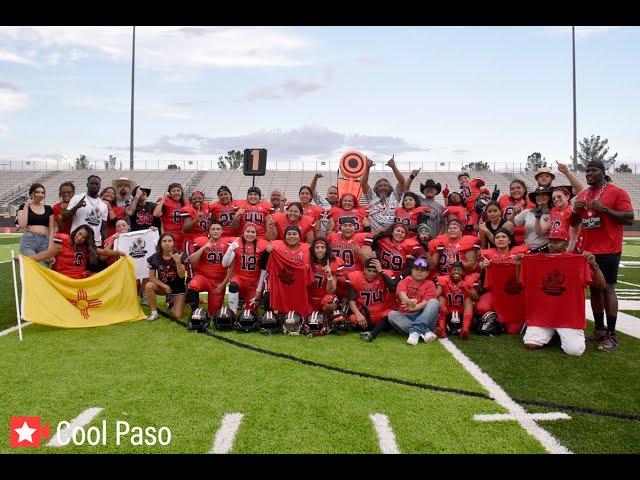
353	165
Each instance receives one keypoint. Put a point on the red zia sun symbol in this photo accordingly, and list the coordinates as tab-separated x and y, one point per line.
83	304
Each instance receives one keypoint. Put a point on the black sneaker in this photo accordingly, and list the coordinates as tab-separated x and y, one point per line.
609	344
366	336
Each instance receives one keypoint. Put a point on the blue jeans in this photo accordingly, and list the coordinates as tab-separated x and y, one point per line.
32	243
419	322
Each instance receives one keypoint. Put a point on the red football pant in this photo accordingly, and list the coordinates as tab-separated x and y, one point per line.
200	283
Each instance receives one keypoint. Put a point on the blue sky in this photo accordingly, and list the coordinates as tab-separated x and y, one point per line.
448	95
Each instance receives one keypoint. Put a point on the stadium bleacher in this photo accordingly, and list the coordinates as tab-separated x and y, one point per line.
14	185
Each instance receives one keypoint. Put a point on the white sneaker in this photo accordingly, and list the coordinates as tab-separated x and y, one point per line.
413	339
152	317
429	337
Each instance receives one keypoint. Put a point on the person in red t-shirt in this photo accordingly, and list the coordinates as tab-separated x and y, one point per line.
352	248
247	256
196	223
252	210
555	294
224	210
394	249
348	207
326	271
561	214
411	213
210	275
315	212
602	209
76	255
371	295
419	306
65	192
515	202
293	216
456	294
169	209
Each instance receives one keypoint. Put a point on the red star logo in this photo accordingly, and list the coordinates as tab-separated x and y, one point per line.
83	304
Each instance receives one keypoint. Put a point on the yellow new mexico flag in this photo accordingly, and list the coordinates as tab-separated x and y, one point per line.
107	297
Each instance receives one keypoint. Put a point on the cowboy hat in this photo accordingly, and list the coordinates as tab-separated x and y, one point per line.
432	184
120	180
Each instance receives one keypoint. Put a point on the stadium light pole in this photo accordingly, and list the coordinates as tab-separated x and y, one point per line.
133	77
575	130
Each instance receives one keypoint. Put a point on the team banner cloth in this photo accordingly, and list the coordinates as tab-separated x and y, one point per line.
554	293
508	295
287	283
139	245
107	297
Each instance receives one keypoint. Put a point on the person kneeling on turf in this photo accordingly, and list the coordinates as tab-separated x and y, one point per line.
419	306
555	293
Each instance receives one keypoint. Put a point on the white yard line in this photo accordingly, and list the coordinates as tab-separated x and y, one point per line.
627	283
502	417
13	329
625	323
80	421
548	441
386	437
226	434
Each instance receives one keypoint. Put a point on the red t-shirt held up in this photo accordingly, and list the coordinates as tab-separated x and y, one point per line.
554	294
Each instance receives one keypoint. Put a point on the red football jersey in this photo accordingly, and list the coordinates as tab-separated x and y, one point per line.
454	293
210	263
600	233
318	286
224	214
343	249
57	215
299	254
508	204
554	294
72	261
358	213
373	295
471	193
305	224
419	291
201	227
408	218
173	216
247	259
452	249
313	211
256	214
393	256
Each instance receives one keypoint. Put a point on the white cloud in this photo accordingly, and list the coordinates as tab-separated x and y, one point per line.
293	87
309	140
169	47
11	98
7	56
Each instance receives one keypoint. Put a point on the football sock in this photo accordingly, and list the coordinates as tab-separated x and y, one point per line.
611	324
193	299
382	326
598	318
234	301
467	320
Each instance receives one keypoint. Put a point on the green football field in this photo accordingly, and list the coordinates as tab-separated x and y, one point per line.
250	393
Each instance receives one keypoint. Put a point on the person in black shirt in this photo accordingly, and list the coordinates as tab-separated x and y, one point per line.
166	276
140	211
37	222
